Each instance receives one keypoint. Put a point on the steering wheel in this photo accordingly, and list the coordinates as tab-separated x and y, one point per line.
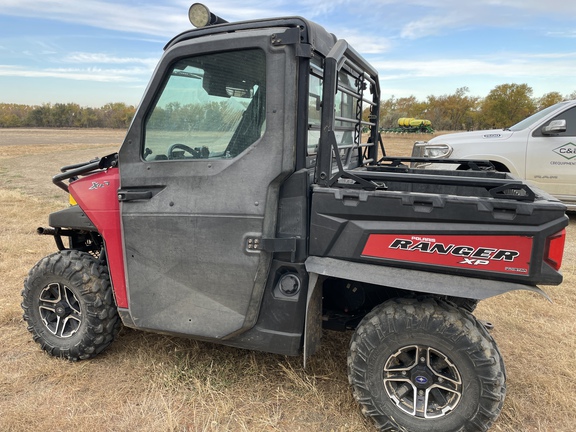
195	153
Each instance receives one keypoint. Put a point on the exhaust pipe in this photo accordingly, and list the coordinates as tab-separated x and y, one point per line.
46	231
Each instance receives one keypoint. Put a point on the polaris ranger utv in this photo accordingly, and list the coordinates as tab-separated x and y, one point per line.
244	208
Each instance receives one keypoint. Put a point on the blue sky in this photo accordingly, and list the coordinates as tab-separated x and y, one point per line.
92	52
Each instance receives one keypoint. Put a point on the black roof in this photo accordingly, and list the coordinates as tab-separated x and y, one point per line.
310	32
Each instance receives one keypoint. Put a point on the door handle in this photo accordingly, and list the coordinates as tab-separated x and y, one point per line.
134	195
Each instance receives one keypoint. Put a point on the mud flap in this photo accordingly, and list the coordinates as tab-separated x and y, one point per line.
313	325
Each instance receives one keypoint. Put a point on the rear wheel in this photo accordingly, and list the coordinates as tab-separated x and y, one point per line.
69	306
424	365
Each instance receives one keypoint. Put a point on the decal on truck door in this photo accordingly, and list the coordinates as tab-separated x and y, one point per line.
502	254
567	151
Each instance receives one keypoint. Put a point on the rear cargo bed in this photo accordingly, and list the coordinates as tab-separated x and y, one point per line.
479	224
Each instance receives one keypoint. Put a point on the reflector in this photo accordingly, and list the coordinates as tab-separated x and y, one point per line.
555	249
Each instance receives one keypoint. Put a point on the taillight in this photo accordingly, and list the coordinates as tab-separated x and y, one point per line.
555	249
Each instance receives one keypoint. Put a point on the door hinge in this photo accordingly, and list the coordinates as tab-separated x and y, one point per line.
292	36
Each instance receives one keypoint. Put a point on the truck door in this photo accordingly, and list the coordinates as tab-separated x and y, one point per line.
551	159
200	171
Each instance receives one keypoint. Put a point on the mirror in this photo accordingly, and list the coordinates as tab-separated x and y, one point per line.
555	126
229	74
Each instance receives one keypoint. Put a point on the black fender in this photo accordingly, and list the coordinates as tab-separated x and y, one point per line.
72	217
415	280
405	279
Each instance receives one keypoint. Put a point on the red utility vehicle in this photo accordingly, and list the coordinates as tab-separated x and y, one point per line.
244	208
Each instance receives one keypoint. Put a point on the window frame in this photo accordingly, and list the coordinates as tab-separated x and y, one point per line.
336	160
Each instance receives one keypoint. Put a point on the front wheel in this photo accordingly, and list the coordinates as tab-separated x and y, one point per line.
69	306
424	365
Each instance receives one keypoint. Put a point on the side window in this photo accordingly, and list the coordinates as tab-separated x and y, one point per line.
314	105
211	106
570	116
346	103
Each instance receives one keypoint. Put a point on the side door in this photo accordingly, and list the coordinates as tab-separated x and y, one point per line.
200	172
551	159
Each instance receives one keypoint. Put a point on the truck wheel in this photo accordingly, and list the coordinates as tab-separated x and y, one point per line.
69	307
424	365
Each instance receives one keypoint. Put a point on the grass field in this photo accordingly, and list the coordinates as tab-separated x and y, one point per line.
148	382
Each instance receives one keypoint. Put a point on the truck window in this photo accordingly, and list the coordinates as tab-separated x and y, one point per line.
570	116
535	118
211	106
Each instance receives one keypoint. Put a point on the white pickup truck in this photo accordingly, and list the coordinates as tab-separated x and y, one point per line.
540	149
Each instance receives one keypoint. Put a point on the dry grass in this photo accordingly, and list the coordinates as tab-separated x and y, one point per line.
149	382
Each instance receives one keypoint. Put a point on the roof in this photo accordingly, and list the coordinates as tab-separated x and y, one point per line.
310	32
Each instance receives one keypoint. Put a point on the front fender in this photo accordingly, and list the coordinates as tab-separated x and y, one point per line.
71	217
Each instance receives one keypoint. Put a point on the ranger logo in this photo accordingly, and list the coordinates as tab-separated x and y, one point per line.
487	253
461	251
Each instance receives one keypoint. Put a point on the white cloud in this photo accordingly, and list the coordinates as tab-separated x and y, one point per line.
516	67
102	58
443	16
430	25
365	45
562	34
87	74
321	7
144	18
412	18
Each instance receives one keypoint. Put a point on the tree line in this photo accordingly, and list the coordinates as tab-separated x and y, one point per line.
69	115
505	105
207	117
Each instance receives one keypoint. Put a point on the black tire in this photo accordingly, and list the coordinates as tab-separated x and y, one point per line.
69	306
424	365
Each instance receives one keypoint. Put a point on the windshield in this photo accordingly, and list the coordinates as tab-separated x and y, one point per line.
534	118
211	106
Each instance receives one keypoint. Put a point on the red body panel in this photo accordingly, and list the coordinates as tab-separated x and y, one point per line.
97	196
502	254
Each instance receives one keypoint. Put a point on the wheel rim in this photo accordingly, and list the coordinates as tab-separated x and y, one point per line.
422	381
60	310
